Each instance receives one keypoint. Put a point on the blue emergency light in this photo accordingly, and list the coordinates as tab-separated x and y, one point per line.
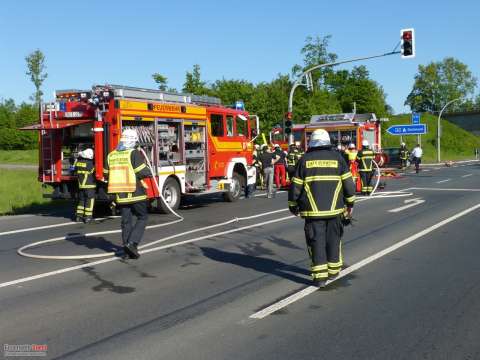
239	105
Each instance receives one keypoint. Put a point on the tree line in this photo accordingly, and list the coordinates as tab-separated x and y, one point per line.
332	91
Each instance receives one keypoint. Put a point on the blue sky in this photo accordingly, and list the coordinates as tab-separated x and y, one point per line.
124	42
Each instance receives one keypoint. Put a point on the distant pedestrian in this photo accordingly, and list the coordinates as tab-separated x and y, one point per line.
267	159
417	153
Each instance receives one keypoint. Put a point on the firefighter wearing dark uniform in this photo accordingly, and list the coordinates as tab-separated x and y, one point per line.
126	167
84	169
322	191
351	155
404	154
293	157
365	167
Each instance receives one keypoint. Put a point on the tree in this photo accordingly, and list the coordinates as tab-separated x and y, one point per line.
161	81
36	71
193	83
439	82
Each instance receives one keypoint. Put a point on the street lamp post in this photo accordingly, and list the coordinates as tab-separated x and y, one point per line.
439	126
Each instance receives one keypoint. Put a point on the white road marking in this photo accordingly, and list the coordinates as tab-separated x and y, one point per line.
442	189
464	176
49	226
410	203
426	170
442	181
311	289
93	263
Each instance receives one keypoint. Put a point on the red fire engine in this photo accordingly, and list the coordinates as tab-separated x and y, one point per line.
195	144
344	129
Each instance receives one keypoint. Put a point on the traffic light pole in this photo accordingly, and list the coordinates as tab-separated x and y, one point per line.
299	80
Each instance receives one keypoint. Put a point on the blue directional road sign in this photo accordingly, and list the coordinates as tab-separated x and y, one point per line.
415	118
418	129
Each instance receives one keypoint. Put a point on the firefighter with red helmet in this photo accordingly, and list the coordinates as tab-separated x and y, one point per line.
126	167
322	192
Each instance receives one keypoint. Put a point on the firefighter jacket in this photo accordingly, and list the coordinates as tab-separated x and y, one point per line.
322	185
293	157
365	160
125	171
404	153
84	169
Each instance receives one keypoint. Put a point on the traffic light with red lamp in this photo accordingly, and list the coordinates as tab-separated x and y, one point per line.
407	38
288	123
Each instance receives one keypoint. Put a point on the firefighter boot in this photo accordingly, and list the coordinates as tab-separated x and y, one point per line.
320	283
131	250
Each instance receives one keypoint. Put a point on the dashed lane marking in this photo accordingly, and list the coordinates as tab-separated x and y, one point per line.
443	181
464	176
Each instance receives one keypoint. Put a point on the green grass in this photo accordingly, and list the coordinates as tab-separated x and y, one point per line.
21	193
19	157
456	143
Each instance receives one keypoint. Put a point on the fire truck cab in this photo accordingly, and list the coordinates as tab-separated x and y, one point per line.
194	144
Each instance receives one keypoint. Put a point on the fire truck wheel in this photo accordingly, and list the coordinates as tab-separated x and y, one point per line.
237	184
172	195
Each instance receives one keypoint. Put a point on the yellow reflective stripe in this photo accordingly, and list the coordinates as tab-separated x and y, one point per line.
322	178
88	186
350	199
139	168
335	196
105	171
333	271
321	213
297	181
335	265
310	198
322	275
120	200
346	175
292	203
319	267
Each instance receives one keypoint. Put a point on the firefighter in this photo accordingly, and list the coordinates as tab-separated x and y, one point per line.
126	167
351	156
280	167
322	191
365	167
84	169
258	165
293	157
404	155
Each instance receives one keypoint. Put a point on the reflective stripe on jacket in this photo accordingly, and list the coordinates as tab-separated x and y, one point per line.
84	169
322	184
365	159
352	154
137	166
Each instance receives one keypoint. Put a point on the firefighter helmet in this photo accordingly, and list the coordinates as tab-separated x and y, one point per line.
129	135
319	137
351	146
86	154
365	143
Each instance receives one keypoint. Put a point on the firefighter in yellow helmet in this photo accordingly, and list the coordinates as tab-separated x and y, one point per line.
84	169
126	167
365	167
322	192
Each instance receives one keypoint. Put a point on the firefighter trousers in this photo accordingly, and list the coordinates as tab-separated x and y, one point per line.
290	172
323	239
133	233
86	201
280	176
366	177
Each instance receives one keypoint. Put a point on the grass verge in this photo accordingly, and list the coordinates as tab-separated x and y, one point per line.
22	193
19	157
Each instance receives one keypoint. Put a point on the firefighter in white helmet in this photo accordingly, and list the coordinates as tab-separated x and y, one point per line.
126	167
365	167
404	155
322	192
84	169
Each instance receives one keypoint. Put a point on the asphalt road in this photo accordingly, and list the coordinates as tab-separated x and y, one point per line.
413	293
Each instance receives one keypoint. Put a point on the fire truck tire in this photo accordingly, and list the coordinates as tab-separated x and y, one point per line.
172	194
238	183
